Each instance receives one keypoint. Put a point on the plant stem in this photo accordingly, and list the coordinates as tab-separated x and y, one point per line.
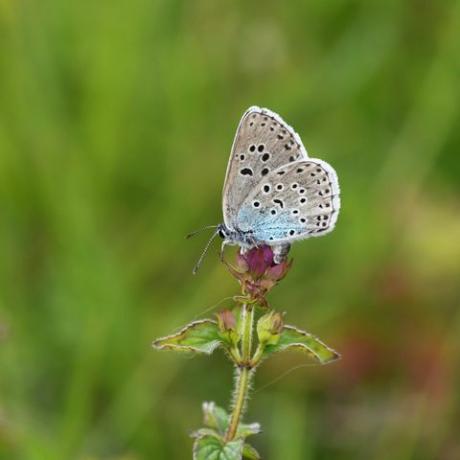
247	318
244	371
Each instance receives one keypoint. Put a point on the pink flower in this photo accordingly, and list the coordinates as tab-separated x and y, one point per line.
258	273
256	260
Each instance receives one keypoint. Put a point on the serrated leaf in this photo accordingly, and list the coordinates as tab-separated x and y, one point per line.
197	337
250	453
212	448
215	417
295	339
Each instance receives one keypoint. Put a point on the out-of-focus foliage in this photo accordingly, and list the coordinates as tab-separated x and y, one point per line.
116	120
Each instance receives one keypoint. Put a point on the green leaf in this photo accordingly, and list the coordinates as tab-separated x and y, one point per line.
205	432
247	429
295	339
212	448
197	337
250	453
215	417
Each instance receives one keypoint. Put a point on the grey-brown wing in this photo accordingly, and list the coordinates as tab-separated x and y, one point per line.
296	201
263	142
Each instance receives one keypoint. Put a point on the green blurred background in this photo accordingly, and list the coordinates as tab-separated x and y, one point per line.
116	121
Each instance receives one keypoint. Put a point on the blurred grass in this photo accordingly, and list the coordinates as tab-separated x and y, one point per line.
116	120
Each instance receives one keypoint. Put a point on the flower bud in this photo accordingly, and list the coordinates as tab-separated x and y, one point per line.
227	326
269	328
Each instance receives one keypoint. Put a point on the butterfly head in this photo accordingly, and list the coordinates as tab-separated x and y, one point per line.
236	237
223	231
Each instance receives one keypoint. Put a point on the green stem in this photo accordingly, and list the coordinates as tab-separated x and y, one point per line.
257	357
244	371
247	319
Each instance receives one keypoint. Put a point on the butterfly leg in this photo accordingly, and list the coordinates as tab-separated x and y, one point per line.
280	252
222	250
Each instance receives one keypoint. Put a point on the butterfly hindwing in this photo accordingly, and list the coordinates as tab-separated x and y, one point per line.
295	201
263	142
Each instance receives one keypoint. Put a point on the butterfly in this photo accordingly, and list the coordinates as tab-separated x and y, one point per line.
274	194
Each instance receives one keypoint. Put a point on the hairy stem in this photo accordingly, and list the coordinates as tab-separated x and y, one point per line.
244	372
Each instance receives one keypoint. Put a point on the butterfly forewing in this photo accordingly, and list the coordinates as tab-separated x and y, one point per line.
263	143
295	201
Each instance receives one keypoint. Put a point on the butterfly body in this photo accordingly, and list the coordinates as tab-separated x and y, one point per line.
274	193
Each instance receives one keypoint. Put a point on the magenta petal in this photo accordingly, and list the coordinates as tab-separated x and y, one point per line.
277	271
259	259
268	255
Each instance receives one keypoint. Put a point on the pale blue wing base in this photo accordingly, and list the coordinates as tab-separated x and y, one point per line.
307	204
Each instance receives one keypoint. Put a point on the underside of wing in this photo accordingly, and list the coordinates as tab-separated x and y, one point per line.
263	143
296	201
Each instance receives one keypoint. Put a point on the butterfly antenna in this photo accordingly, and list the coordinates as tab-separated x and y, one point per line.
205	250
200	230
